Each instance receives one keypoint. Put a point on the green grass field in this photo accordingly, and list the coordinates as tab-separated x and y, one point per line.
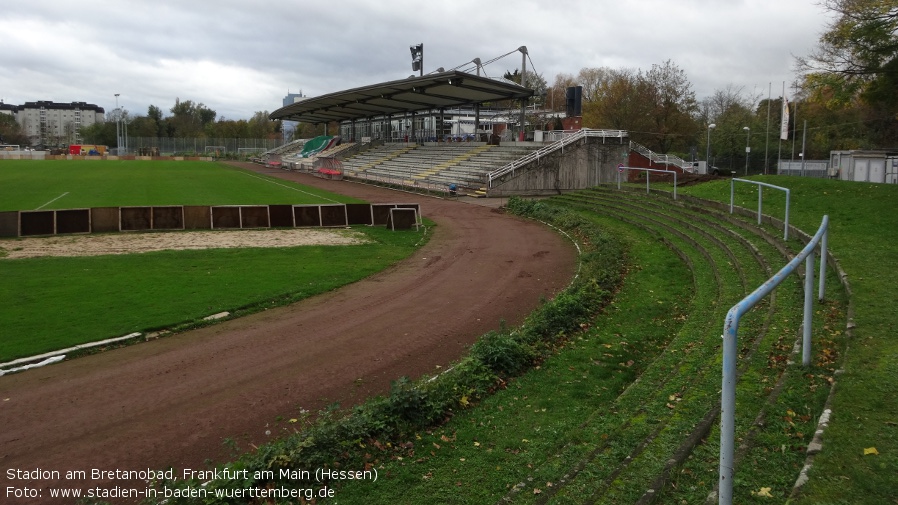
58	302
74	184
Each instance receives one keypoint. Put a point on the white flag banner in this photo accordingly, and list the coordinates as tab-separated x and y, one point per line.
784	128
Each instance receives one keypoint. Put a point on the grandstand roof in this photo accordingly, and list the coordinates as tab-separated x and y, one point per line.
429	92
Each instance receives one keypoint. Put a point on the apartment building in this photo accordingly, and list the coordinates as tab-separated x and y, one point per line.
49	123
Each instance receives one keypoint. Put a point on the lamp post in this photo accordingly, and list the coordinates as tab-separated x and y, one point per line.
708	151
118	126
747	148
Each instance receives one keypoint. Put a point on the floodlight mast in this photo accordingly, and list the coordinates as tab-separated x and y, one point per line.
523	50
477	62
118	127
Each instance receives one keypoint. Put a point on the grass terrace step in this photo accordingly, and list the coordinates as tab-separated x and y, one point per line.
657	437
641	420
764	374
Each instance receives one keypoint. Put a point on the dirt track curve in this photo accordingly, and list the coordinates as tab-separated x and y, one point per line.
173	401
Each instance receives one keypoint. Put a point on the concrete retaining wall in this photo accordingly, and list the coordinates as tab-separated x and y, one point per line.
589	162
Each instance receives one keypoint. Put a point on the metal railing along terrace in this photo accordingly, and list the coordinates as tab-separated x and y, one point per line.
731	350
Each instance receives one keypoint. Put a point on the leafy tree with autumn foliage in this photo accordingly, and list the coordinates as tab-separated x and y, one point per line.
11	132
855	65
612	98
189	119
672	106
657	106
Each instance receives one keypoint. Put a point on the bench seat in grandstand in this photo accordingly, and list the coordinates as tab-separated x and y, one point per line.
465	164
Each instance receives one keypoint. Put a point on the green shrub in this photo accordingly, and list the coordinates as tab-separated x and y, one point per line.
410	406
502	354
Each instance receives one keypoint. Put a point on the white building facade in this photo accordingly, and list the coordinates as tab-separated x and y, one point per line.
53	124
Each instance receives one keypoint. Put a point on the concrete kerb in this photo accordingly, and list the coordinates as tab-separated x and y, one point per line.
40	360
57	356
51	357
815	446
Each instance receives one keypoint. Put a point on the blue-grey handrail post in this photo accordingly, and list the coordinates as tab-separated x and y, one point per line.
808	315
730	351
760	200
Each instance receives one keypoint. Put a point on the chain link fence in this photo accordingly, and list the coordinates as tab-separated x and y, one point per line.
201	146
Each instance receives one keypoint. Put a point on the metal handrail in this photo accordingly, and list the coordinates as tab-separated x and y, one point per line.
555	146
621	168
667	159
730	347
760	205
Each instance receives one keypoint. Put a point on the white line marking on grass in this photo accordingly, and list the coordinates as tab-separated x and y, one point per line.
51	201
288	187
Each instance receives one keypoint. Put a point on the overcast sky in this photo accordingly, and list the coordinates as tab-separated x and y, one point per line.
239	57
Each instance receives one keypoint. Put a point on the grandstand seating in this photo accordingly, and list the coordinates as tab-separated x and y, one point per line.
297	162
432	165
286	149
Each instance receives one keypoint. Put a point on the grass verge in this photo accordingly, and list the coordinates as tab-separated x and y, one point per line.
54	303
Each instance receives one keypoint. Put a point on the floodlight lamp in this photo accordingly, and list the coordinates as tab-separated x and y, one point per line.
417	56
